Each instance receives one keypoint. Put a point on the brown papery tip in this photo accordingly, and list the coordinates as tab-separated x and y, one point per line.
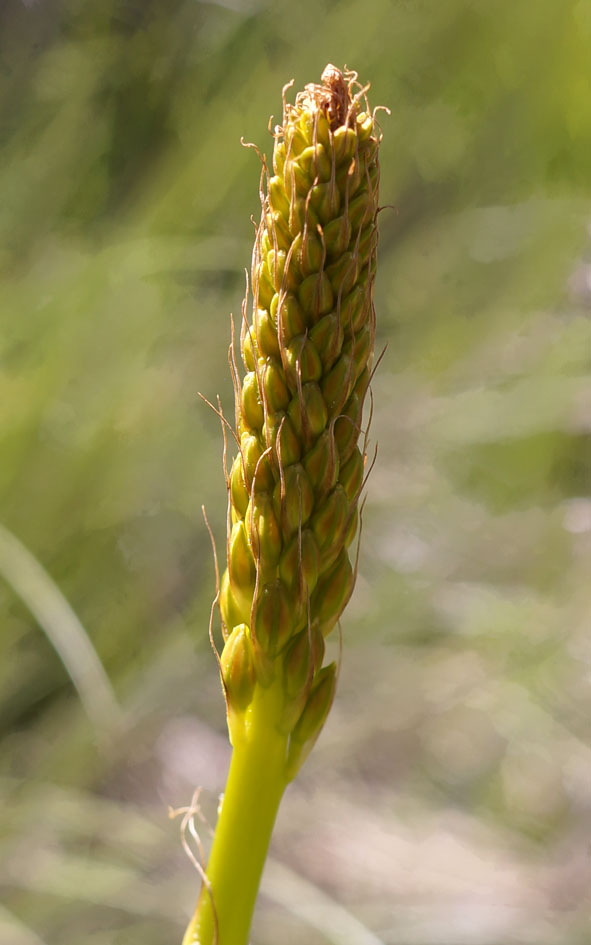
333	96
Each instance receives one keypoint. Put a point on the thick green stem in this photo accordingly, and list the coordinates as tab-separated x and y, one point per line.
255	785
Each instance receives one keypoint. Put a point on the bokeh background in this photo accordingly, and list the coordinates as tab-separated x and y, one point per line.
448	801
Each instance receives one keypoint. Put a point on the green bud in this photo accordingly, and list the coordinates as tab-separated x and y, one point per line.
315	127
257	468
343	273
337	235
299	564
312	719
295	141
277	197
347	427
316	295
281	434
351	177
289	317
359	347
302	362
273	618
360	210
317	705
277	396
338	384
326	201
309	251
316	164
266	335
239	494
302	215
237	669
278	157
251	452
234	606
293	499
351	530
283	276
278	227
332	593
240	560
329	521
351	474
299	666
306	123
297	670
252	409
322	464
368	241
365	126
308	413
297	178
345	143
264	284
263	532
355	308
327	338
249	355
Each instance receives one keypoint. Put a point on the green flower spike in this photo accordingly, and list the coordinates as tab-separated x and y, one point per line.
294	484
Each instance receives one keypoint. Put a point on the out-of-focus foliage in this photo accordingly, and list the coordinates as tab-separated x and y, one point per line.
448	800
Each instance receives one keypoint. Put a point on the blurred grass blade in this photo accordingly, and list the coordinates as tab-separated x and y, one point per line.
14	932
31	582
314	906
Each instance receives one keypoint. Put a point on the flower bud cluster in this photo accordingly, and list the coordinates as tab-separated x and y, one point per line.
295	482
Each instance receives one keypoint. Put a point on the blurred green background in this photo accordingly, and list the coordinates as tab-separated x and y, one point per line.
449	799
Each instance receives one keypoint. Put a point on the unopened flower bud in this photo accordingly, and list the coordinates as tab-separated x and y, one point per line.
312	719
237	669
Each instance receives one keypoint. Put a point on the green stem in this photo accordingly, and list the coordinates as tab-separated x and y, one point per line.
255	785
